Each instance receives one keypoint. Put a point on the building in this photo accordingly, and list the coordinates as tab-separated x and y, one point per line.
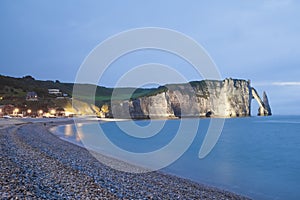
55	92
7	109
32	96
1	110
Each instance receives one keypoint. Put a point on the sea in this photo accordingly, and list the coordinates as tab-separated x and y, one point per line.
258	157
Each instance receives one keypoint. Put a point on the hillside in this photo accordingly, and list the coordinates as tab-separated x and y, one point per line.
11	87
14	91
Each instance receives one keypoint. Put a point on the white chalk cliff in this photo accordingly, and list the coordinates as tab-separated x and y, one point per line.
208	98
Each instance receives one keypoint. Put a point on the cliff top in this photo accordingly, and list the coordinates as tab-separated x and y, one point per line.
16	89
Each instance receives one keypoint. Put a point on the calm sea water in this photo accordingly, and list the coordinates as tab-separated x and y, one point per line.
254	156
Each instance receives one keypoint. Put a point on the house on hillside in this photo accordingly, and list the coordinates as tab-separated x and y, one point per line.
32	96
56	92
7	109
1	110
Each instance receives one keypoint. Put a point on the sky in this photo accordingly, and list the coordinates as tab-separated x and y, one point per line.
257	40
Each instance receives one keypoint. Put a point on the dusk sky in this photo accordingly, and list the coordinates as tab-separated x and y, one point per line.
257	40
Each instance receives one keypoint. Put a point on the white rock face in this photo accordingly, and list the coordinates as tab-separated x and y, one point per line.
227	98
266	104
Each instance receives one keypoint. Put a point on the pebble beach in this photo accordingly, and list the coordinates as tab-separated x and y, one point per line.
36	164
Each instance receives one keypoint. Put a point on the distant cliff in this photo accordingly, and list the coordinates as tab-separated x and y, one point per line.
207	98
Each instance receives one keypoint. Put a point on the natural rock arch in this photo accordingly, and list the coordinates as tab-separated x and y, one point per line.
264	107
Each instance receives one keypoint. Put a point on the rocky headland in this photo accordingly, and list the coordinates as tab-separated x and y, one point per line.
207	98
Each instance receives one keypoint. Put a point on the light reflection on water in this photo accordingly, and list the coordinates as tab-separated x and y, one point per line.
69	130
80	134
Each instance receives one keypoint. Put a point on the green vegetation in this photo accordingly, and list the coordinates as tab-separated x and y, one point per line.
14	90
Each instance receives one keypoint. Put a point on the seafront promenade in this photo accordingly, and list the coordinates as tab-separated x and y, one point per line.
36	164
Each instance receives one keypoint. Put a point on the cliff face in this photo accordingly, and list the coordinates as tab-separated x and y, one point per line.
267	108
227	98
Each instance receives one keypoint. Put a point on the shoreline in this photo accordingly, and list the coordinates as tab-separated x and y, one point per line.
33	143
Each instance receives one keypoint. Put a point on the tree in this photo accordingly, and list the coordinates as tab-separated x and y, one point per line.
28	77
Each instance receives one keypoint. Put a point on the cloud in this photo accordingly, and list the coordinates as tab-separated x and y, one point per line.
276	83
286	83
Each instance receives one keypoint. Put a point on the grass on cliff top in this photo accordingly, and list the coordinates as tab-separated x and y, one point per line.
14	90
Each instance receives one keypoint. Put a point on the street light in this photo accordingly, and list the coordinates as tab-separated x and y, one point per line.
52	111
40	113
29	111
16	110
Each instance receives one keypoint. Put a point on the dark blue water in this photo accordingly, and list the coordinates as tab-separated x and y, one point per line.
256	156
